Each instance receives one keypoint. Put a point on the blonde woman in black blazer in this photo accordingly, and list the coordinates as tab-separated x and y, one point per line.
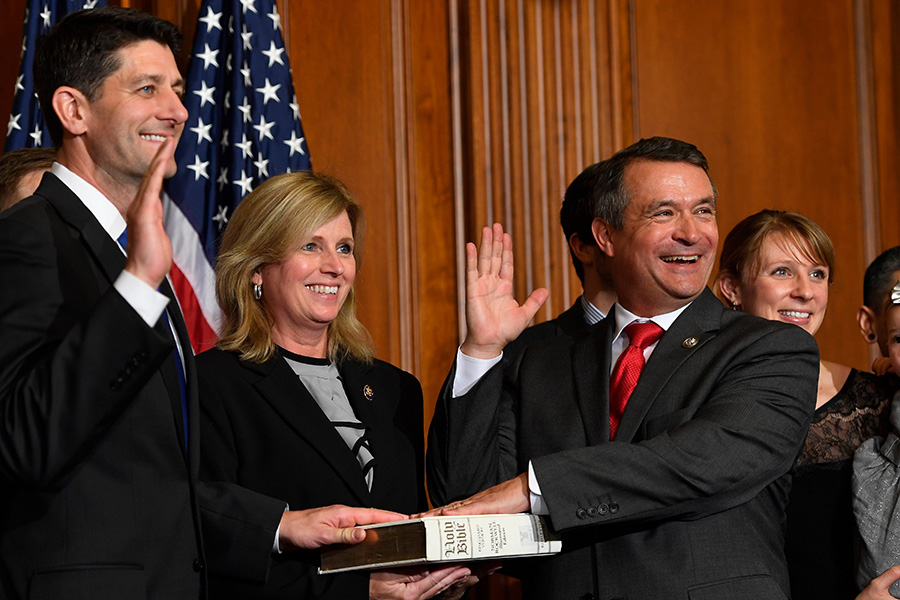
292	350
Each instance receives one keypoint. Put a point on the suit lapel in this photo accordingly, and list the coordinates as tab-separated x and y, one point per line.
693	329
374	404
106	252
590	360
571	321
282	389
111	262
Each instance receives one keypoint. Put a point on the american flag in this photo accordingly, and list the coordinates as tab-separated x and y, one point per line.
26	123
243	127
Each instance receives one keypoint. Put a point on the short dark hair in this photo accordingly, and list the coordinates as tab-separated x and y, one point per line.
15	165
613	194
81	51
879	279
578	211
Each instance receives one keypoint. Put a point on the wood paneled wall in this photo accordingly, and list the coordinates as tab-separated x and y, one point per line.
445	116
543	92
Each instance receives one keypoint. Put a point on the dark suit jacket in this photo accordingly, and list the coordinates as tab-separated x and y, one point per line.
570	322
688	502
263	430
101	497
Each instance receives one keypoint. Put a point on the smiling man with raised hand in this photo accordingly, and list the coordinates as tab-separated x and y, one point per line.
659	443
99	451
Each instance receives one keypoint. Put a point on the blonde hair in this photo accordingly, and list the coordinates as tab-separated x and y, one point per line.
743	244
263	230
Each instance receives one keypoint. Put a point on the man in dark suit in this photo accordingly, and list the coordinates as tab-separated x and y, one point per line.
687	500
99	450
576	217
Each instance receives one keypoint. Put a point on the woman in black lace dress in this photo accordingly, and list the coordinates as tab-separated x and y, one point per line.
779	265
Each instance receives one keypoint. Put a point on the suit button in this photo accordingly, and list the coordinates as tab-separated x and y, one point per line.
592	511
603	509
613	508
198	565
581	513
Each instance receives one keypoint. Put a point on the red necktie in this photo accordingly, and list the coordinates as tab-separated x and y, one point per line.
625	376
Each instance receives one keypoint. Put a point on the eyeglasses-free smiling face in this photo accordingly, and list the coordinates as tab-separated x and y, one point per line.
138	107
787	286
663	255
304	292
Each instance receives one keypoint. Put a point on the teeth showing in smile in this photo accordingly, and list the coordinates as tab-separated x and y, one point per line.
680	259
796	314
154	138
323	289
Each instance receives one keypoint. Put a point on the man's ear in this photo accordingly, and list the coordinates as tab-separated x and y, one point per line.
866	319
603	236
72	108
581	250
729	288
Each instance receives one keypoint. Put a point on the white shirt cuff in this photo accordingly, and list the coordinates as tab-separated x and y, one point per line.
469	371
276	548
145	300
538	506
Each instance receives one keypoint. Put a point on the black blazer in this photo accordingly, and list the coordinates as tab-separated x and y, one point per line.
101	497
688	502
263	430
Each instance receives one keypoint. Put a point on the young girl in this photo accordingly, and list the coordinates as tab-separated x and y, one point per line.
876	485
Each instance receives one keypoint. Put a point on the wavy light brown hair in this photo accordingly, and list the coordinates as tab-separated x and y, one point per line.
266	227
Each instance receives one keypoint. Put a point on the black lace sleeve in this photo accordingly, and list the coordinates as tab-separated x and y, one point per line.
859	411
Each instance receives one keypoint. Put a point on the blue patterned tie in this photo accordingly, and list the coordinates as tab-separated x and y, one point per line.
179	365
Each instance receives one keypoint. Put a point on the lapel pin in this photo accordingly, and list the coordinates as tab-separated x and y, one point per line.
368	392
690	342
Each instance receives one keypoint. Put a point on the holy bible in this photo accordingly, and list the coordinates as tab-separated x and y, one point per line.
444	539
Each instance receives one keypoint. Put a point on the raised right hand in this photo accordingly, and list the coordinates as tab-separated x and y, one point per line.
149	249
493	317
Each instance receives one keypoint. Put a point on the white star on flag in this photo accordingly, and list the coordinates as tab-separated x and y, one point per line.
269	92
221	218
202	131
13	123
264	128
274	54
295	143
244	145
245	182
199	168
212	19
208	56
206	94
